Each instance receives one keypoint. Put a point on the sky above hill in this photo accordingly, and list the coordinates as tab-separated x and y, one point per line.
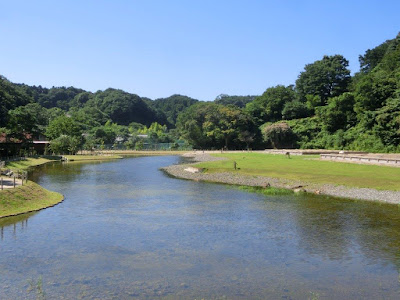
156	48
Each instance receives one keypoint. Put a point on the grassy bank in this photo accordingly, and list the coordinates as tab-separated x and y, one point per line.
30	197
91	157
308	169
270	191
27	163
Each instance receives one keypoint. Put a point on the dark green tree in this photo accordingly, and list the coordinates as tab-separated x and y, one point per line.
63	125
372	57
268	107
339	113
11	97
323	79
209	125
295	110
27	122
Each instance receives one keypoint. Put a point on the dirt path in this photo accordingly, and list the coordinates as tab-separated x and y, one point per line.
8	183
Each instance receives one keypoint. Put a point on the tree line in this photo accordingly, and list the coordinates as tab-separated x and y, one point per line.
326	107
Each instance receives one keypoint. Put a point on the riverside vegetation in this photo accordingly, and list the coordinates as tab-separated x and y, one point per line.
325	108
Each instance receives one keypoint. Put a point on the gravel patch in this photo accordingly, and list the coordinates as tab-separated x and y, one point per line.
240	179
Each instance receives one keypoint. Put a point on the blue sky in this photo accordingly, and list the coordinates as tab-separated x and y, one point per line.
199	48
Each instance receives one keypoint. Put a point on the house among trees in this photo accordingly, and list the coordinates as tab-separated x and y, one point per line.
10	146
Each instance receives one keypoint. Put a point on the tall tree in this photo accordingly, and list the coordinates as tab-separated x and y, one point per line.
11	96
339	113
323	79
268	107
63	125
373	57
209	125
27	121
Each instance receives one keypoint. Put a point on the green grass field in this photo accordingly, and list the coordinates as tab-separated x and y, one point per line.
29	197
308	169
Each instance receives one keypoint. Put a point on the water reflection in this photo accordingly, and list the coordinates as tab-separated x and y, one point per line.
18	223
126	230
334	227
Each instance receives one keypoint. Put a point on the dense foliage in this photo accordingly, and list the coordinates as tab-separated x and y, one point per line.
239	101
325	108
173	106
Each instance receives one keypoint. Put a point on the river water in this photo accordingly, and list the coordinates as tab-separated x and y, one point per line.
126	230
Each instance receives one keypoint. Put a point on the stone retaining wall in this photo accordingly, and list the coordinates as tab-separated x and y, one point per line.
364	159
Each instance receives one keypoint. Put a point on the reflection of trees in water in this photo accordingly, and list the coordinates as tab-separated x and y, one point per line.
336	227
20	221
379	236
322	226
69	171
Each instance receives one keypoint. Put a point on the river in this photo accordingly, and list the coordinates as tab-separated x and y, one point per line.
126	230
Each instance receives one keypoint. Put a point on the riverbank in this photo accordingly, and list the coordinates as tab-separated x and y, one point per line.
220	169
79	157
28	198
29	162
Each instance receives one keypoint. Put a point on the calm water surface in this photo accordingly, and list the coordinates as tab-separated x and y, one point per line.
127	231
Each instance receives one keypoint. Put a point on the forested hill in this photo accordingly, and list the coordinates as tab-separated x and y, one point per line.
360	112
325	107
172	106
102	106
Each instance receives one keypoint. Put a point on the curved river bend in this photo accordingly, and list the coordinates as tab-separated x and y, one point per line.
126	230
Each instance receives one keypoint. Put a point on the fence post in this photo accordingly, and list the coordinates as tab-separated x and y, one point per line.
1	179
14	181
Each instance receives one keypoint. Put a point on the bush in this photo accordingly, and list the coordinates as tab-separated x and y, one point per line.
280	135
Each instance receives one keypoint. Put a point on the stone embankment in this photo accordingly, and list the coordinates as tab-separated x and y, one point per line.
240	179
392	160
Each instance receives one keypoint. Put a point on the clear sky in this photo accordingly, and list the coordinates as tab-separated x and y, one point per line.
199	48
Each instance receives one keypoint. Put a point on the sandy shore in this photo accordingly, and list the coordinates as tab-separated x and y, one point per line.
239	179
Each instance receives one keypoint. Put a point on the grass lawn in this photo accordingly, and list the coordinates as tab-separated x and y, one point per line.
25	164
26	198
308	169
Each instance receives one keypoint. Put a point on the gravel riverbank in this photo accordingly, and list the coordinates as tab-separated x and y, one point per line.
240	179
